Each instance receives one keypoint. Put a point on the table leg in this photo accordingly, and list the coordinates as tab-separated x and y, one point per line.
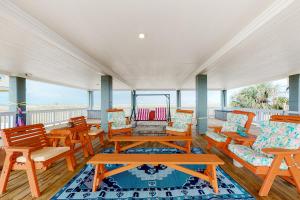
188	147
96	179
117	147
212	173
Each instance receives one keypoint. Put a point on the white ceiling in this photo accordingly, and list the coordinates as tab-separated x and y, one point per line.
236	42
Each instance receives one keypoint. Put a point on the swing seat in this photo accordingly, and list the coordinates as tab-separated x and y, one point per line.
152	115
159	114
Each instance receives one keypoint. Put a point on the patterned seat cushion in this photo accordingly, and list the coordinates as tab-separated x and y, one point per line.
277	135
118	120
216	136
181	121
251	156
233	122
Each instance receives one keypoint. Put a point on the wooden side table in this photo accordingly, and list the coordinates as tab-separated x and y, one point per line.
73	138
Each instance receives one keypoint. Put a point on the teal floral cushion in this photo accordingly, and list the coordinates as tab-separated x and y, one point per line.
181	120
242	131
278	134
253	157
216	136
233	121
117	118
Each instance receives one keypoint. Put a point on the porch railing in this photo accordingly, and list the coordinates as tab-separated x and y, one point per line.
53	117
7	119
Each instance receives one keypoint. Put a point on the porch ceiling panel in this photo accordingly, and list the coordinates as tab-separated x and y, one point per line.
180	36
271	53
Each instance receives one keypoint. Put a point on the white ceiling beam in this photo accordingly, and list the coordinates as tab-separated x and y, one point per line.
13	12
277	7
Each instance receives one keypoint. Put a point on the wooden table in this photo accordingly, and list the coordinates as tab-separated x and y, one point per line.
174	161
138	140
73	138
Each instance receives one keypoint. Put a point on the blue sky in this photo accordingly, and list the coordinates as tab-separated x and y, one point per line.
40	93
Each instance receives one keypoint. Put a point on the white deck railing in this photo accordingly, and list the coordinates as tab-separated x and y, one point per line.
53	117
7	119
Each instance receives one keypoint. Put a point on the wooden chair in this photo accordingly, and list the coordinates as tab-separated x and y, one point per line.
79	124
27	148
290	172
218	139
118	124
181	124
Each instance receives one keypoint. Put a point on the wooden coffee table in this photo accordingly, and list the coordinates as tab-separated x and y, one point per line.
174	161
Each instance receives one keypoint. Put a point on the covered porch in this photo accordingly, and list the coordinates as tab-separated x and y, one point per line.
104	47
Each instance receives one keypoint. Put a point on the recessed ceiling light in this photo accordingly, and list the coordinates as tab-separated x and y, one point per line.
141	35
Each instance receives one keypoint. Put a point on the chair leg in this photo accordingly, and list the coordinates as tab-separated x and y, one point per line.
101	139
70	162
89	145
32	178
272	173
8	163
84	146
208	146
295	172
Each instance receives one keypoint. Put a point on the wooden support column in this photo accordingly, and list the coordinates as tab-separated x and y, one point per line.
201	103
106	99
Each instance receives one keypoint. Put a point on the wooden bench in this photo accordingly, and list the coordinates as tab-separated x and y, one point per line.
269	173
174	161
28	148
165	140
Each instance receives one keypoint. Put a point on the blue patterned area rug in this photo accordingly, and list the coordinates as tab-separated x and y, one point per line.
148	182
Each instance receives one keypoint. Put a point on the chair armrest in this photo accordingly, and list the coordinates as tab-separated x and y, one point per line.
281	151
170	123
217	129
233	135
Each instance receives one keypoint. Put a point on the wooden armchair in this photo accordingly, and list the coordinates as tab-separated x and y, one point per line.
28	148
80	125
269	157
218	139
181	124
117	123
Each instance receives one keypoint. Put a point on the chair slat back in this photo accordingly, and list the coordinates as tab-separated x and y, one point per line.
25	136
79	123
250	115
285	118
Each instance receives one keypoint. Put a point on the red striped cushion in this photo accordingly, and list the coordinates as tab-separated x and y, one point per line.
161	114
143	114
